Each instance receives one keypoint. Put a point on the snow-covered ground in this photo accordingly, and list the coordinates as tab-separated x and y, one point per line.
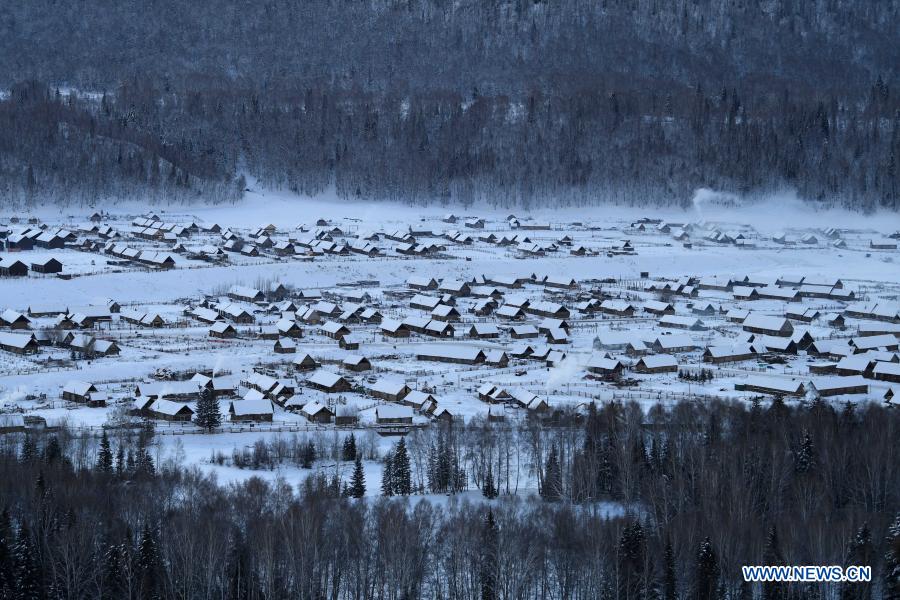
682	255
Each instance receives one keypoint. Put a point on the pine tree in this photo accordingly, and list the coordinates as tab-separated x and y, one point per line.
113	573
489	549
308	455
859	552
27	578
29	449
120	460
707	576
105	456
805	458
551	490
669	583
334	488
148	565
145	465
239	570
358	480
631	560
892	562
387	476
772	590
7	581
488	489
52	451
208	416
349	450
402	472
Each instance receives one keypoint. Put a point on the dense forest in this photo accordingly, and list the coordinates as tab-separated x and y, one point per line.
524	102
703	489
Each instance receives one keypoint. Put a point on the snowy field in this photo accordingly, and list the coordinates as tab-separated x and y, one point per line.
539	312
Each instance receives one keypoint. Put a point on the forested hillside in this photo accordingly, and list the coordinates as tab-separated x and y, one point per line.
708	487
429	100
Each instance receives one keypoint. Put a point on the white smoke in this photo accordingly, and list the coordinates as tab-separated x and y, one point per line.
13	396
564	372
775	211
220	360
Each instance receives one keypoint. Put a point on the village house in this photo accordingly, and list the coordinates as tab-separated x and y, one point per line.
548	309
658	308
168	410
682	322
673	343
245	294
392	390
617	308
47	266
484	331
222	330
887	371
304	362
767	325
394	328
839	386
393	415
316	412
78	391
356	363
656	363
14	320
773	386
10	267
466	355
18	343
260	410
520	332
328	382
603	365
285	345
729	354
442	312
334	330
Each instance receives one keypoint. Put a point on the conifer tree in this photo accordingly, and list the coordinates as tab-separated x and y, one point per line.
105	456
892	562
859	552
401	470
358	479
148	565
7	581
52	451
208	416
113	573
29	449
145	465
488	489
308	455
669	584
349	449
120	460
387	476
489	549
772	590
805	458
27	578
239	569
551	490
631	560
707	575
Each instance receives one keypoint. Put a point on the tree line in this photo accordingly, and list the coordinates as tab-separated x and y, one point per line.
664	504
510	102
